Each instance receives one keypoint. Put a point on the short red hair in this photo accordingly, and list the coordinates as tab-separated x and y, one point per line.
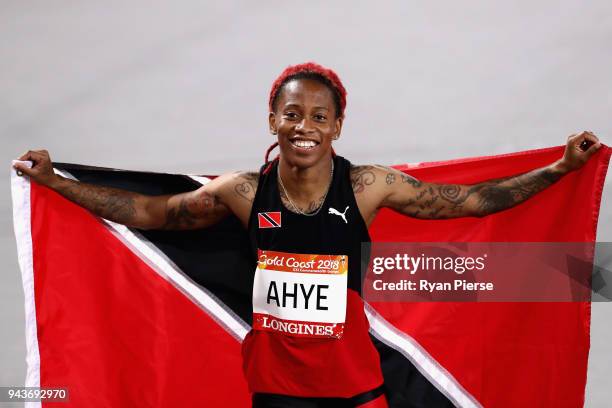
308	69
329	77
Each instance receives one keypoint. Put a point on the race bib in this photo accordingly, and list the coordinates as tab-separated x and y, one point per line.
300	294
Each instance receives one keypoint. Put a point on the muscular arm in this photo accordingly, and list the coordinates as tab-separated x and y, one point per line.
379	186
191	210
410	196
230	193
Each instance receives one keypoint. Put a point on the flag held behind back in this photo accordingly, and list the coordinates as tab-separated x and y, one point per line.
155	318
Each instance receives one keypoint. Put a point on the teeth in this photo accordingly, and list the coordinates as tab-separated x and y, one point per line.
305	144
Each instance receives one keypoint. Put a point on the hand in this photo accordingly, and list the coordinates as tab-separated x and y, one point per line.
574	157
42	169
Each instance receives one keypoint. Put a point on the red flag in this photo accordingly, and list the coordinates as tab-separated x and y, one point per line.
505	354
123	317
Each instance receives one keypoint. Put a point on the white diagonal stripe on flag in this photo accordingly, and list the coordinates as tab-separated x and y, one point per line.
437	375
164	266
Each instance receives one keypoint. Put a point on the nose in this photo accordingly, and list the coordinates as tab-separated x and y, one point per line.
304	126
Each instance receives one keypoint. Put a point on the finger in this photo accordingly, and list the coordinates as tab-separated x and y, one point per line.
25	156
592	149
35	156
31	154
574	138
20	167
586	140
577	136
591	137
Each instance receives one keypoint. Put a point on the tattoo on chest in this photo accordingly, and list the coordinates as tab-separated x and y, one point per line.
311	207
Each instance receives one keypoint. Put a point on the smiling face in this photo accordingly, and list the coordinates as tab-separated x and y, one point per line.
305	121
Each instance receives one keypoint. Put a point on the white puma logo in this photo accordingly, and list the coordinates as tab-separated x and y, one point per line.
338	213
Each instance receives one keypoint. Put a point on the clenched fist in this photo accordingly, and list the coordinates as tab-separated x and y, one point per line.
42	169
579	148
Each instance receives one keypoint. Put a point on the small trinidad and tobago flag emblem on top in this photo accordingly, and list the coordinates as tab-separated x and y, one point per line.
269	219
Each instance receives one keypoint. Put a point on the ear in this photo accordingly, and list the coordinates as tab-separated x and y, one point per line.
272	123
338	123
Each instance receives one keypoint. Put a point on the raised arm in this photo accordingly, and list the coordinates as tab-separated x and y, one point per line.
439	201
191	210
415	198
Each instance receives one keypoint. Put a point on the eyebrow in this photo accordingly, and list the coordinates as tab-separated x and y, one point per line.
289	105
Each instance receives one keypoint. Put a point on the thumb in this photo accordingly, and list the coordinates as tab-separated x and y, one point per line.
23	166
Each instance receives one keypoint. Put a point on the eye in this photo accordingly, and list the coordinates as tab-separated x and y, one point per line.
290	115
320	117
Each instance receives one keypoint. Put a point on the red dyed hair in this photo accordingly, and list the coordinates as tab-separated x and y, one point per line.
328	75
309	68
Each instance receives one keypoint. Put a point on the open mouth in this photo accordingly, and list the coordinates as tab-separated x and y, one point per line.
304	144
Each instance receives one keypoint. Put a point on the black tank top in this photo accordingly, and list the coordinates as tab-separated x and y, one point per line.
281	364
323	233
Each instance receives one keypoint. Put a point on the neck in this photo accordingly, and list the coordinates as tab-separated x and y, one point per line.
305	183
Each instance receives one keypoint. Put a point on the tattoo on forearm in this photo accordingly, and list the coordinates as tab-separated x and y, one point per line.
107	202
498	196
362	176
449	200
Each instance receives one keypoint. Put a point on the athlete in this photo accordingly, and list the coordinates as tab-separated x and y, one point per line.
307	213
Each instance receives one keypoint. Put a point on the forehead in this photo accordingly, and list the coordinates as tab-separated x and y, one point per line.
306	92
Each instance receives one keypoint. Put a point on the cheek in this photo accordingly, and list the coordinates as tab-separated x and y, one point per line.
284	125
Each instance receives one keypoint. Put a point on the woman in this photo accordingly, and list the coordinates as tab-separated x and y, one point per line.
307	213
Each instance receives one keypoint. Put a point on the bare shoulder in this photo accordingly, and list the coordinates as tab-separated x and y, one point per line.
236	186
377	177
237	191
367	182
364	177
245	185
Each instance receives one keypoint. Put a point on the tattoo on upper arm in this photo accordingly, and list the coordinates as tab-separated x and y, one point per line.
451	193
179	216
247	185
191	209
411	180
362	176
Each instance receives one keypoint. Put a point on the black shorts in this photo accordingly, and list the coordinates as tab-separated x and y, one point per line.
284	401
